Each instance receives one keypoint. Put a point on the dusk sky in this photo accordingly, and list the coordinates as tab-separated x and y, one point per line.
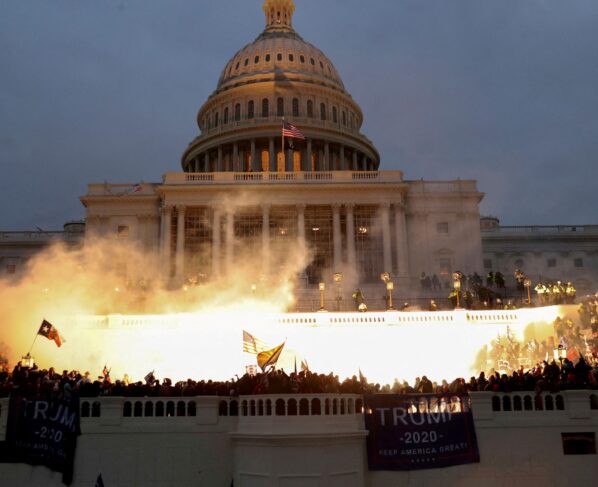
502	91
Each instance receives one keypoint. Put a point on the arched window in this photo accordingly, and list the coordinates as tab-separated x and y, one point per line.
322	111
291	57
302	59
310	109
311	60
246	62
225	121
216	119
250	109
265	107
267	58
237	112
279	57
344	118
334	115
280	107
295	107
237	66
256	60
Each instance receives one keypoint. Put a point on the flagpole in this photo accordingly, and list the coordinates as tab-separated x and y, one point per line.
30	349
284	158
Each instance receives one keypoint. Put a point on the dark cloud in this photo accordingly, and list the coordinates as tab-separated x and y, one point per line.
502	91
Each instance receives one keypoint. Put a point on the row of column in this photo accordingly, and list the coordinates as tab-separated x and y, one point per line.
401	249
233	159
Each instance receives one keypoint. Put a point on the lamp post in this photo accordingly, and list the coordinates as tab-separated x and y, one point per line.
457	286
389	287
322	287
528	284
338	278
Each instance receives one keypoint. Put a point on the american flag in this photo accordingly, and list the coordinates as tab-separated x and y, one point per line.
253	345
289	130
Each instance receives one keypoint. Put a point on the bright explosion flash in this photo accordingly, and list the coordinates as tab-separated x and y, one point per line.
198	333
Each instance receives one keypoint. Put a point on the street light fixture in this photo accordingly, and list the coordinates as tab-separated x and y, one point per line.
322	287
457	285
528	284
338	278
389	287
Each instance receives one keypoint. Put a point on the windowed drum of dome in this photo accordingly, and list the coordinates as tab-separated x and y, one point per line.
250	109
256	60
344	117
216	119
302	59
312	61
246	61
237	112
323	111
295	107
265	107
280	107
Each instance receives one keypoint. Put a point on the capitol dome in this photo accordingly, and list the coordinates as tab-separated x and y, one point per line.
279	76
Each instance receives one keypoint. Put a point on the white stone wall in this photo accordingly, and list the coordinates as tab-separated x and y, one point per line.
516	447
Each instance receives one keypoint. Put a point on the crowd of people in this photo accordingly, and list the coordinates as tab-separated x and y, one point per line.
548	375
477	292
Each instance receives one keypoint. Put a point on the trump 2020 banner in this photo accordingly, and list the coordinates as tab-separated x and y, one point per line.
42	432
409	432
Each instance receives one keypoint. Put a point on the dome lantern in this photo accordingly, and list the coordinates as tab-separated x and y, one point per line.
279	14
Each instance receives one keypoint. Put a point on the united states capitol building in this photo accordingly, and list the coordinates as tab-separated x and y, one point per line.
240	192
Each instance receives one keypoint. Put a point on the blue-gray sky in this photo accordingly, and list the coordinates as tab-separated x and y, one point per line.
502	91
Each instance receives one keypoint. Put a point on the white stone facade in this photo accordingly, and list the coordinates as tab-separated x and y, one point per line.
306	441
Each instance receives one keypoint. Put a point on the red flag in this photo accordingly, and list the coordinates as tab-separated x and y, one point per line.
47	330
573	355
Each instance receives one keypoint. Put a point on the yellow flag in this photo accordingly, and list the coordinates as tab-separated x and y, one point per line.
269	357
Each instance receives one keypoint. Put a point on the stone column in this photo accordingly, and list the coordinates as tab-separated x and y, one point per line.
336	237
255	167
235	162
241	164
271	154
384	213
206	162
167	216
342	158
327	157
289	163
402	245
351	258
219	166
364	164
321	165
162	233
216	243
230	240
180	243
354	166
308	156
266	239
301	226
